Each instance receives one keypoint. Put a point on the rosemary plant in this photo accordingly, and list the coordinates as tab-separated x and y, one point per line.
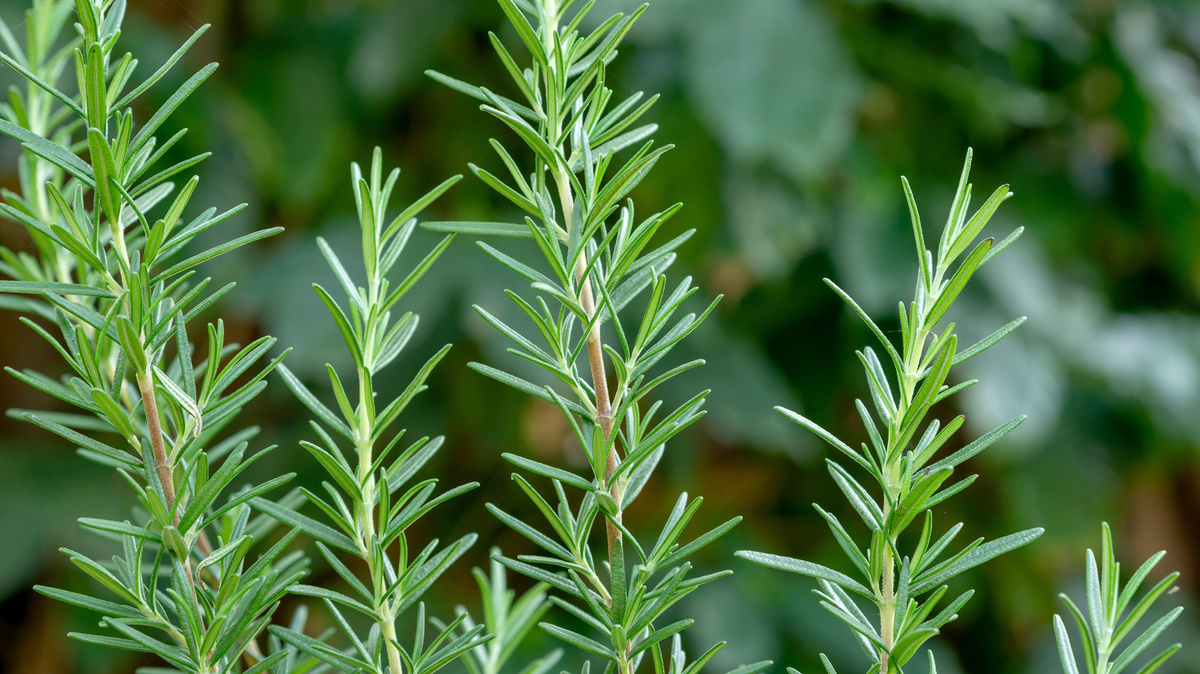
904	589
369	513
511	618
112	283
597	261
1112	615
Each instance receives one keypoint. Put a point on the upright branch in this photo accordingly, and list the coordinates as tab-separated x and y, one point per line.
603	416
108	223
597	261
909	480
370	516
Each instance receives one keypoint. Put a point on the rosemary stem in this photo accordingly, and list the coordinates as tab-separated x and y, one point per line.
887	607
388	629
887	612
162	463
892	478
365	448
595	352
587	300
163	467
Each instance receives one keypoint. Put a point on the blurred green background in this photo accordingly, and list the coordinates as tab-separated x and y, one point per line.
794	120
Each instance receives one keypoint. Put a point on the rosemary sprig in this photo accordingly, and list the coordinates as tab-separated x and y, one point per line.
369	501
111	281
1112	614
598	259
904	589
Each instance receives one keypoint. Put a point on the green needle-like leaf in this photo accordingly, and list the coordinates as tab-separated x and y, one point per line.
807	569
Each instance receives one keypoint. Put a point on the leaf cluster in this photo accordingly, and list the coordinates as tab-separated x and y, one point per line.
511	618
113	293
370	500
907	588
1113	615
598	258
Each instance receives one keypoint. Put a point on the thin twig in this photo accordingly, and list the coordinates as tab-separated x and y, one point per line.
162	463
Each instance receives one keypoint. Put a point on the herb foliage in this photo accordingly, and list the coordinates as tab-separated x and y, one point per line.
370	502
113	292
1112	615
904	590
598	258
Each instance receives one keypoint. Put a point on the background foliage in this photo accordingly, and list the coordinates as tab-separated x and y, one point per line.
793	120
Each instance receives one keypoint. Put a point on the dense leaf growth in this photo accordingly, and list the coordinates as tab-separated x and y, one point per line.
113	290
598	301
370	500
904	588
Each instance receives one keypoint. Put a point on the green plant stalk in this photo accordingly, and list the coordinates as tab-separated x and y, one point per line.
587	300
892	471
163	462
1112	614
366	522
900	465
388	630
365	519
365	448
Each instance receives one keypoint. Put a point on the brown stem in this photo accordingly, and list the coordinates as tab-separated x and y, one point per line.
161	463
604	414
595	351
